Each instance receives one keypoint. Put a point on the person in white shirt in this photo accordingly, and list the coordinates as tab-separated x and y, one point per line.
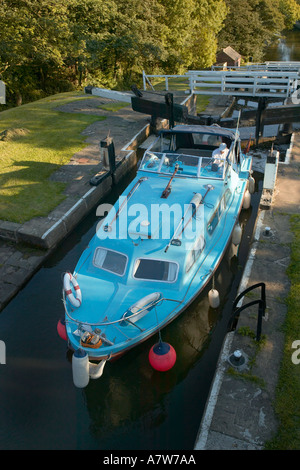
219	155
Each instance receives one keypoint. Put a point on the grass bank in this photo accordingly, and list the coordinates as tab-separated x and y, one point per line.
36	139
287	405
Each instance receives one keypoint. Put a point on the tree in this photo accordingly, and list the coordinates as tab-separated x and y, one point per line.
290	10
192	27
136	39
209	17
48	46
89	22
33	36
252	24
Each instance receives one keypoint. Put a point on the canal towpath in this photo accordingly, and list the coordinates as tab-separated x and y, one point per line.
239	413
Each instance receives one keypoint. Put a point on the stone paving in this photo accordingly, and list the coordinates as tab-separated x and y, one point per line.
239	414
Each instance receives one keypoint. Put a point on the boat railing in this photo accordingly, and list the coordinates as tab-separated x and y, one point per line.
105	322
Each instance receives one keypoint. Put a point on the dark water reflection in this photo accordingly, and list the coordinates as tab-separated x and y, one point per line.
288	48
132	406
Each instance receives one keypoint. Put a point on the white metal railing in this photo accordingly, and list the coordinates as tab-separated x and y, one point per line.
266	66
165	77
239	82
243	83
283	66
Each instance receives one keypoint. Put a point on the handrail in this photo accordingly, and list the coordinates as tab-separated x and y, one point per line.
241	82
261	308
107	227
120	320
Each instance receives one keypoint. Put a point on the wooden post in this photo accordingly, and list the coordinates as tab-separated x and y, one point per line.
262	104
109	157
170	103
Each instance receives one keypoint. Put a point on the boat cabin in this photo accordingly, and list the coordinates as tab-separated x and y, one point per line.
194	149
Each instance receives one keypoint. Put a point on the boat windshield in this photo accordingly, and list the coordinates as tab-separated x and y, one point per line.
188	165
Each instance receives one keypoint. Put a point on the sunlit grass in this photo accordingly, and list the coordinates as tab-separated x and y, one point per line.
39	139
114	106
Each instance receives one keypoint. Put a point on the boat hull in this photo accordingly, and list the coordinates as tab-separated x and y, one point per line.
111	292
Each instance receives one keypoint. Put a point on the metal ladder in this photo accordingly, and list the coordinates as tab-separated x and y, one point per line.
261	308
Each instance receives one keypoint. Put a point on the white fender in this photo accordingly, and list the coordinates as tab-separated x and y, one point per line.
83	369
247	200
196	200
214	298
237	234
80	368
251	184
68	280
140	304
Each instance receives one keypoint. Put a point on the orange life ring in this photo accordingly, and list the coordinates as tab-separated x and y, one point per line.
68	280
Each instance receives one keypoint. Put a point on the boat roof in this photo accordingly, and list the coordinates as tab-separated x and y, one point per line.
198	129
150	195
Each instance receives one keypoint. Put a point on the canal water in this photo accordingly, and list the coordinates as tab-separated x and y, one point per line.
131	406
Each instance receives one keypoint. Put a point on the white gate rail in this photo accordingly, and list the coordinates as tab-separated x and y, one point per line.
165	77
243	83
271	66
239	82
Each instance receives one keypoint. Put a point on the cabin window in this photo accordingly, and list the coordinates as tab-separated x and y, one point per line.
110	260
207	139
195	253
213	222
155	270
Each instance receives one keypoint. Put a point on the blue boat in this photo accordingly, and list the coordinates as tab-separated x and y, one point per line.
160	244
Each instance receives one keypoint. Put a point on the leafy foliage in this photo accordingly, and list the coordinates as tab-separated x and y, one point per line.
252	24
